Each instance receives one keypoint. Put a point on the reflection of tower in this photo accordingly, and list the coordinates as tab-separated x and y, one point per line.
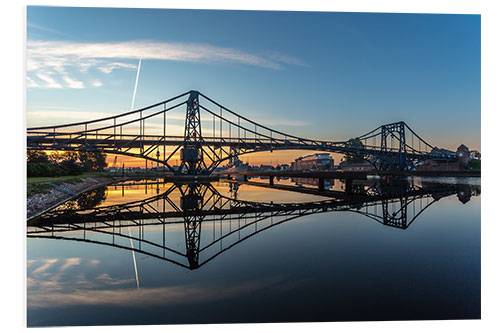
395	217
394	212
233	189
191	205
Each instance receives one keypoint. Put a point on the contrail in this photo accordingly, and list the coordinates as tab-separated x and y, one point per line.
133	257
130	235
136	81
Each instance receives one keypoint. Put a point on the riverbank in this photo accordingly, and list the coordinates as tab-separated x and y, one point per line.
50	195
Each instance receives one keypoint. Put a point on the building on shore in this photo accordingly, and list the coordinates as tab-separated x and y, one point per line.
321	161
266	167
461	162
463	155
436	165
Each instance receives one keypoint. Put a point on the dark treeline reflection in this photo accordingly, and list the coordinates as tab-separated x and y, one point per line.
86	200
213	223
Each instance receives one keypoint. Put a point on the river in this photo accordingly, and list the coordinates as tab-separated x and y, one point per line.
164	253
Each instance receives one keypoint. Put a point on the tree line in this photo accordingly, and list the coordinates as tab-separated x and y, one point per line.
41	164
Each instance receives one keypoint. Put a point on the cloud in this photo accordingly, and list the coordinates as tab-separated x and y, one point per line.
31	83
287	59
72	83
285	122
49	81
39	27
44	58
108	68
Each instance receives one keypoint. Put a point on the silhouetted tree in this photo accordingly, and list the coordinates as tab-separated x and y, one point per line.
92	160
355	157
36	156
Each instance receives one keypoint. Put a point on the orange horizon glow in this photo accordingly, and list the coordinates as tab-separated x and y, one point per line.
255	159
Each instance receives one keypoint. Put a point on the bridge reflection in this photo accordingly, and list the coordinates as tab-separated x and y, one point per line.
213	223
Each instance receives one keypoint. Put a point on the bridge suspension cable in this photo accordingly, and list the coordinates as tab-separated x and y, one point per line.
204	147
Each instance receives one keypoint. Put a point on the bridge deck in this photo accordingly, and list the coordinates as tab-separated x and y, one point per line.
354	175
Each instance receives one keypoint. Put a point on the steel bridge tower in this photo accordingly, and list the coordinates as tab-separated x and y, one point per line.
399	161
192	152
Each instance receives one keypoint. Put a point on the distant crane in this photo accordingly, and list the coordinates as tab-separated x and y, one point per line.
113	166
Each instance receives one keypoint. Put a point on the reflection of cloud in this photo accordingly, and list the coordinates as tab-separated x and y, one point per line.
71	262
62	294
48	59
46	266
105	278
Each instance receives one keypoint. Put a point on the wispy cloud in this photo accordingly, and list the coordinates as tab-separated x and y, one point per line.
286	122
42	28
287	59
49	59
48	80
73	83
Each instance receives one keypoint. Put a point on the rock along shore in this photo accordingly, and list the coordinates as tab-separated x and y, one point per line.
39	203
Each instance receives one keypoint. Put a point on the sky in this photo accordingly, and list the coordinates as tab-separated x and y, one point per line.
319	75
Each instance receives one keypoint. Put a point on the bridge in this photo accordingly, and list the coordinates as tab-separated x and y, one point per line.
224	221
214	134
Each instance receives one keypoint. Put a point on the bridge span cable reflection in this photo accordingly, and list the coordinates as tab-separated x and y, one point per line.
213	223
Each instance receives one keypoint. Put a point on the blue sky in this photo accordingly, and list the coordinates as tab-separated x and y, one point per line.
314	74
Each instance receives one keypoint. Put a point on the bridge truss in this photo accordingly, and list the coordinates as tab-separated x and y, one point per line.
214	134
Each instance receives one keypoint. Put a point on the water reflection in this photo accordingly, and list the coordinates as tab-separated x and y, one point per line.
86	200
213	223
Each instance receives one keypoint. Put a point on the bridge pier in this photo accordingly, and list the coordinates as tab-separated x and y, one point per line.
348	185
321	184
271	180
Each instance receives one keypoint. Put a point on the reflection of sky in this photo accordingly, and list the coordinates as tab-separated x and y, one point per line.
328	266
116	195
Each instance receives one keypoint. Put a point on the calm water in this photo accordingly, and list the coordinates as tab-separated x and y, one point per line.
223	253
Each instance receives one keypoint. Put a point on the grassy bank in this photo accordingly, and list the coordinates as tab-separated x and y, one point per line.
38	185
66	179
475	165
